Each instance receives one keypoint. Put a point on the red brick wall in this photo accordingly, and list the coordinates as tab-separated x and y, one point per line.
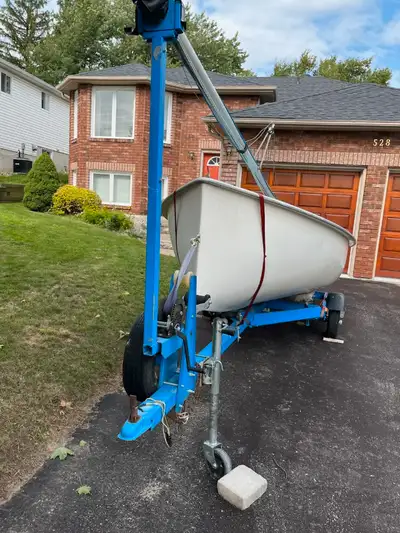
182	158
351	149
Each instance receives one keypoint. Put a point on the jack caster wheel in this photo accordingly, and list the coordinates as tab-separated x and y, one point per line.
223	464
140	373
332	329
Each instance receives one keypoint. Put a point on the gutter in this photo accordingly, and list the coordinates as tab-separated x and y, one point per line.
311	124
71	83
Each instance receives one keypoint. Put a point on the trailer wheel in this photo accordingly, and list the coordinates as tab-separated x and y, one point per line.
223	464
333	324
140	372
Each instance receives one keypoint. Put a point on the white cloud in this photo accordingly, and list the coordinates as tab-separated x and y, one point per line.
391	34
282	29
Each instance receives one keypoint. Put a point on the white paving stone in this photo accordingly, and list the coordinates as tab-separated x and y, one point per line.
242	487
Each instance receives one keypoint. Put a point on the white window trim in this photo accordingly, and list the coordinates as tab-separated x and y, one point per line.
111	185
74	176
7	76
75	123
114	109
168	101
164	187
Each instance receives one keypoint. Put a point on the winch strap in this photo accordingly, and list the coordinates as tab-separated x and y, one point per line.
176	228
264	243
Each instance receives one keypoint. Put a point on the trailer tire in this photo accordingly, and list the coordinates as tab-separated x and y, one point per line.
332	329
223	464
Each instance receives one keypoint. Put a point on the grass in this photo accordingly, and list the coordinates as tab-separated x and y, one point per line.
14	178
23	178
67	290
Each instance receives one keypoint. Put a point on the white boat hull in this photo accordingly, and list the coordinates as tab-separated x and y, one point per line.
304	251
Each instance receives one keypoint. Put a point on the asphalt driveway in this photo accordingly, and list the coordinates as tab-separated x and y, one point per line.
328	414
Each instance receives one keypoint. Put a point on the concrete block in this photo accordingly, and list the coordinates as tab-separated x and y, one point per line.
242	487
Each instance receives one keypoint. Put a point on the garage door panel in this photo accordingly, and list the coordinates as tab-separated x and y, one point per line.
284	179
312	180
288	197
392	224
396	184
394	204
390	266
391	244
341	201
341	181
310	200
342	220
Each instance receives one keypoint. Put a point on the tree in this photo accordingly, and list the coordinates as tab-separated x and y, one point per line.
89	35
42	183
306	64
352	69
23	24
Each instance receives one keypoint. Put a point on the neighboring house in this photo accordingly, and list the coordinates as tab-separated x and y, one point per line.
34	118
335	151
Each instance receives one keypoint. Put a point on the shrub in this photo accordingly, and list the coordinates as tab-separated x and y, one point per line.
71	200
112	220
63	177
42	183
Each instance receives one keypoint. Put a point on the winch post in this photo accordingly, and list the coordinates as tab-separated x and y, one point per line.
157	99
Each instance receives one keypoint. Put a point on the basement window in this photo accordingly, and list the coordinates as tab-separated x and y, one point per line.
113	188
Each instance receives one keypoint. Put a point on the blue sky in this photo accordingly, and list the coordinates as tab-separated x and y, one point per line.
273	30
281	29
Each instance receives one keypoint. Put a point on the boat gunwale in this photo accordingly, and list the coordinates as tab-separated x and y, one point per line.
273	201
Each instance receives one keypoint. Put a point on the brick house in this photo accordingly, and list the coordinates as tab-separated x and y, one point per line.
335	151
109	130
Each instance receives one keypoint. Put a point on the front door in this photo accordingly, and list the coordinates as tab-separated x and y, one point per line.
210	166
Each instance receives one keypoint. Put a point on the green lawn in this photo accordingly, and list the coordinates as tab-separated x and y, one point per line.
14	178
67	289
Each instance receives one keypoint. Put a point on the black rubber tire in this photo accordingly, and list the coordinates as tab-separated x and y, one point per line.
139	371
224	464
332	329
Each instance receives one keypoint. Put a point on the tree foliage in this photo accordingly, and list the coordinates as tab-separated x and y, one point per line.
89	35
42	183
352	69
23	24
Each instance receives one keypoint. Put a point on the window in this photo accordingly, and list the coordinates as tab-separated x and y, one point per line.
5	83
45	101
74	177
164	187
113	112
75	114
167	118
113	188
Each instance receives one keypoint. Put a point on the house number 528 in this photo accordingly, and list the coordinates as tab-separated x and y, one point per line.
381	142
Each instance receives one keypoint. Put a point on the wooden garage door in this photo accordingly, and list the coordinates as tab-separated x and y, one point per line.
330	194
388	264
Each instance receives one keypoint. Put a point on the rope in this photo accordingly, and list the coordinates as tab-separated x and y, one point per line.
173	295
253	298
166	429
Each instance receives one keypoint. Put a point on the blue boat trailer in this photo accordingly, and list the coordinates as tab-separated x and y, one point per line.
161	366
